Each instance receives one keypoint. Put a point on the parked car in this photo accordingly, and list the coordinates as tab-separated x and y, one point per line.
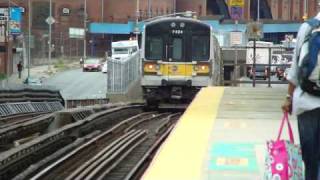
92	64
261	72
105	67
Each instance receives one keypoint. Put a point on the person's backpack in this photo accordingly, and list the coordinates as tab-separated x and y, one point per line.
308	64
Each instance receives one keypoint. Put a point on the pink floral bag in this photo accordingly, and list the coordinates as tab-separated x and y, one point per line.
284	160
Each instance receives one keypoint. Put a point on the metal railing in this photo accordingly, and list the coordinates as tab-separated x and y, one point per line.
241	68
122	73
9	109
74	103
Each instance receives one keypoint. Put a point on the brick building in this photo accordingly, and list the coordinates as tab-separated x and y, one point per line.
269	9
114	10
69	13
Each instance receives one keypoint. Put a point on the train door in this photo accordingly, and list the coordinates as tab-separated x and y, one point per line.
176	66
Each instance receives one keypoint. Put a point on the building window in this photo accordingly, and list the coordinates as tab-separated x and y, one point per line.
65	11
40	13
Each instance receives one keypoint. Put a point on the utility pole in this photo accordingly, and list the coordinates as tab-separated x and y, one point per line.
8	39
149	9
305	13
29	36
254	51
137	20
102	10
50	29
289	9
85	31
258	16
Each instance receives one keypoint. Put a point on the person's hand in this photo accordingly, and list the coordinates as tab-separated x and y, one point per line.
287	106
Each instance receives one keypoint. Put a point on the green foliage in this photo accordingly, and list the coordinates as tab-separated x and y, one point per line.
60	65
2	76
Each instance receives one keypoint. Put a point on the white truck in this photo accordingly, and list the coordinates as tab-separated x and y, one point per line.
121	50
262	52
262	58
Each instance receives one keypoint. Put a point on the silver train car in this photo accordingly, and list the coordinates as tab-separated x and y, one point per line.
179	56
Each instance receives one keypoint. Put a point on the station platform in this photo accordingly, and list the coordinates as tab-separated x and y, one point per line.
222	136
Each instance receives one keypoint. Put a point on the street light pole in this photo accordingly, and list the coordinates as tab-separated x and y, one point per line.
50	29
29	36
85	31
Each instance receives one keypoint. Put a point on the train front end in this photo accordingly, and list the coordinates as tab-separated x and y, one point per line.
176	59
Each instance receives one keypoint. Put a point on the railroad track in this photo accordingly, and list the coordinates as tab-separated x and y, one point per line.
18	159
21	118
117	153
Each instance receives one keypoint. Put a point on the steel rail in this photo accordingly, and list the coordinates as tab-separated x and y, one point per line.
148	155
120	126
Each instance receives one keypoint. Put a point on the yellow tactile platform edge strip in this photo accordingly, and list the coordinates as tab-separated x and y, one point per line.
181	156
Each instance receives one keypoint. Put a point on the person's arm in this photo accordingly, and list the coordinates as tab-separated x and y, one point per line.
287	105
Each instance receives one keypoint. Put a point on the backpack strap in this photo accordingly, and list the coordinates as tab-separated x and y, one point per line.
314	48
314	23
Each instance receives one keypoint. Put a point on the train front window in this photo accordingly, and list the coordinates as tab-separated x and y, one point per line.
177	49
154	48
200	48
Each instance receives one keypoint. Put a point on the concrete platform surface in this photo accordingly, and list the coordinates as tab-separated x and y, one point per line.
240	121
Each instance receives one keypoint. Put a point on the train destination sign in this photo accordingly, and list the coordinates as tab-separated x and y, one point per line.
239	3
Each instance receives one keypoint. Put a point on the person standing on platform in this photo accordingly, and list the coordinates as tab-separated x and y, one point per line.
303	98
20	67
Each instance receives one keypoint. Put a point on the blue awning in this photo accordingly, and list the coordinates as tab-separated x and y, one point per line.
118	28
111	28
267	28
275	28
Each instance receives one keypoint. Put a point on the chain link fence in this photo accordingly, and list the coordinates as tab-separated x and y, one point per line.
122	74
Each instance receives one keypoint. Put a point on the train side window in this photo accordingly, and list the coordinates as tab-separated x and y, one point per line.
154	48
200	48
177	49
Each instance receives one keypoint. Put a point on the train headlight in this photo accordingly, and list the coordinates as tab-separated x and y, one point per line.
151	68
202	69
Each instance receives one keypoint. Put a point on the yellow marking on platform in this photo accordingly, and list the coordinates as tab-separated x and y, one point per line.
183	154
227	161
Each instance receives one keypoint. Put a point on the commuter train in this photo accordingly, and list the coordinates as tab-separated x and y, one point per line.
179	56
